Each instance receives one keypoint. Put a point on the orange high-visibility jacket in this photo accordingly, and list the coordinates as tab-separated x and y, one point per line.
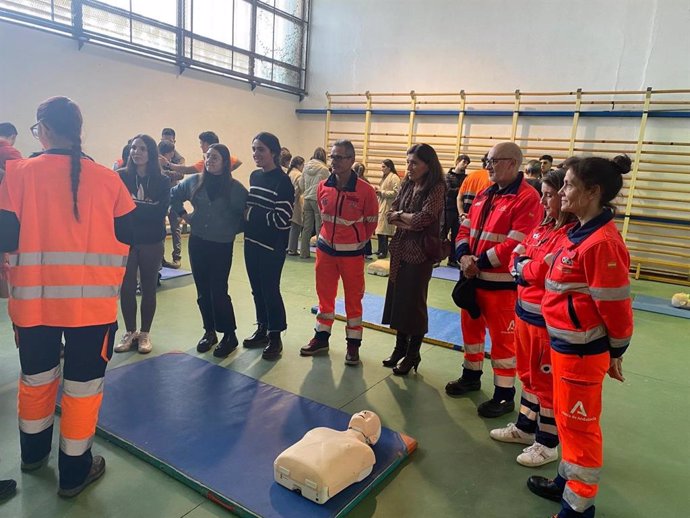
349	217
65	273
587	304
498	221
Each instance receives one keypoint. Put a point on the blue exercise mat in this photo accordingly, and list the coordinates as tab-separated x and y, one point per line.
219	431
658	305
446	273
170	273
444	325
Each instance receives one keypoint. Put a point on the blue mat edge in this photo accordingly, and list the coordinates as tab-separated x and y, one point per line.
217	498
658	305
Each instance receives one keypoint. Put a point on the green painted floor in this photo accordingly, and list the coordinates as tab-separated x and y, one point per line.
457	470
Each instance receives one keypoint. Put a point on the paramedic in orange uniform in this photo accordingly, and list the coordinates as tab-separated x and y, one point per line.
588	313
501	216
65	220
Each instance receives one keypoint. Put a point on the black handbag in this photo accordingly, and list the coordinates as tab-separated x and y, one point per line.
435	248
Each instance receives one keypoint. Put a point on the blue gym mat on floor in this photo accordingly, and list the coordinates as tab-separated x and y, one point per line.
219	431
446	273
444	325
170	273
658	305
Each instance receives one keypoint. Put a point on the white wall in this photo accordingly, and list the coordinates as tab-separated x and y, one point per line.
121	95
497	45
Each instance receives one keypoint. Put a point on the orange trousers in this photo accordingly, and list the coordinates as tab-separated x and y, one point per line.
578	383
329	270
498	315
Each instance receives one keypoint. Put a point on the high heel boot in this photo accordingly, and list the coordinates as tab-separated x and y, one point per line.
412	359
401	343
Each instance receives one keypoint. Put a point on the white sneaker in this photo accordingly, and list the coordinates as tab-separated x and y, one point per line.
126	342
511	433
145	345
537	455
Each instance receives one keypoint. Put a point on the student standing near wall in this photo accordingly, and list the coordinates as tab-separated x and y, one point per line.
315	171
295	173
386	192
219	201
267	229
150	190
65	280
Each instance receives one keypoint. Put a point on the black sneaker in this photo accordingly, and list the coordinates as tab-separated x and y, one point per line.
273	349
96	472
493	408
28	467
315	346
7	489
227	344
352	356
545	488
462	386
207	341
173	265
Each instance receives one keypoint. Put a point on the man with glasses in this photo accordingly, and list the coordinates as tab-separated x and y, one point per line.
349	212
499	219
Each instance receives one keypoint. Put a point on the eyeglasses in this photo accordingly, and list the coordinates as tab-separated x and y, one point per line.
338	158
34	129
493	161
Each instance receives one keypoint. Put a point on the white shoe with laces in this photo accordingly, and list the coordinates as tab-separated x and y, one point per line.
511	433
145	345
126	342
537	455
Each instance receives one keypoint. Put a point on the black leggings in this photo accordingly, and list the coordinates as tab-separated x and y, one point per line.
146	260
211	264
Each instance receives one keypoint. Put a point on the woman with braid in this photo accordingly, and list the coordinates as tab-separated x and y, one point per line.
66	222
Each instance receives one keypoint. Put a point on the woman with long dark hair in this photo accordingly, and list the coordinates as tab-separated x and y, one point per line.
267	228
218	200
416	212
65	220
588	312
150	190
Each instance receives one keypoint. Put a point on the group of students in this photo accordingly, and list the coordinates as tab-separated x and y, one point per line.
571	298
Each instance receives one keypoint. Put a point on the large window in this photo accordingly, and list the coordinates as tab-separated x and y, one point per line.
263	42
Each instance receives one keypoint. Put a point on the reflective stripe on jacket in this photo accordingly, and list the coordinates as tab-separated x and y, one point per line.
348	216
529	270
513	212
587	304
65	273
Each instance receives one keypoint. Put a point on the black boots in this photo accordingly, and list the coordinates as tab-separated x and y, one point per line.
412	357
401	343
207	341
227	344
545	488
274	347
258	339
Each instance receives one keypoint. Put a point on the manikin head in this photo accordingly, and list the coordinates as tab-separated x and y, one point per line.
368	424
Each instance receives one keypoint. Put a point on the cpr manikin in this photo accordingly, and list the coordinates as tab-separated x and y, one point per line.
326	461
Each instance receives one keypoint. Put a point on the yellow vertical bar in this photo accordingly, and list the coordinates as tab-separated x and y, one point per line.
413	114
367	129
461	123
516	112
636	163
328	122
576	120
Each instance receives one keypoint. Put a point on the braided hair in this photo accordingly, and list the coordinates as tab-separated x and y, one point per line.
63	116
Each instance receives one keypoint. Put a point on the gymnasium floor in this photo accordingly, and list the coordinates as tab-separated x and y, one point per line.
457	470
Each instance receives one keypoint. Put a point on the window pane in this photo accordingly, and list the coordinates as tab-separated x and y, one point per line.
264	32
153	37
293	7
288	41
243	25
286	76
41	9
263	69
107	24
240	63
211	54
162	10
122	4
222	20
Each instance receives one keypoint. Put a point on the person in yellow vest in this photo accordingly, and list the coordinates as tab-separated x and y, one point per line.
65	221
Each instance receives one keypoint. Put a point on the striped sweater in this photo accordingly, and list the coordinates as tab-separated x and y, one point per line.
269	209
